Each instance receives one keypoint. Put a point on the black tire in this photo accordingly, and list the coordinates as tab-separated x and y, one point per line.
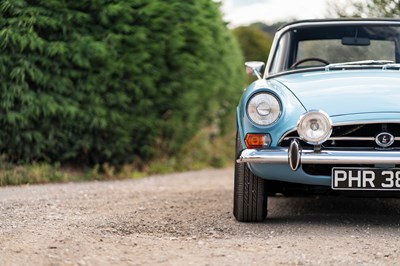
249	199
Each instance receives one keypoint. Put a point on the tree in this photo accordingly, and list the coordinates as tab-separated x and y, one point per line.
270	29
366	8
254	42
96	81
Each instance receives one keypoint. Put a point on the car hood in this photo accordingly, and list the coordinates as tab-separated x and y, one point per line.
346	92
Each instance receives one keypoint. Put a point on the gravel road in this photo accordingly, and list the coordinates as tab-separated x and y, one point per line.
185	219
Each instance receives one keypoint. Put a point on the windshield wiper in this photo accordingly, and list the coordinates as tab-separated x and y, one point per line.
391	66
359	63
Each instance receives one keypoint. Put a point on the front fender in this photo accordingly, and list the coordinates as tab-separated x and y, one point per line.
291	111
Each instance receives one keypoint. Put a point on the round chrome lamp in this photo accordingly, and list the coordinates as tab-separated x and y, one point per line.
314	127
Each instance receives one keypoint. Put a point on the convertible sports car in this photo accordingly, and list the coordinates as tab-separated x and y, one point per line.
323	116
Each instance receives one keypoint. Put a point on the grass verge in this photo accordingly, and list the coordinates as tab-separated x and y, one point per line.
205	150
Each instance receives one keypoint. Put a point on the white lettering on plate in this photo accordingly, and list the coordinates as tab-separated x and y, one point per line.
356	178
340	176
368	176
389	181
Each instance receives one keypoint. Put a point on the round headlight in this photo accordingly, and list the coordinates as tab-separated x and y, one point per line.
263	109
314	127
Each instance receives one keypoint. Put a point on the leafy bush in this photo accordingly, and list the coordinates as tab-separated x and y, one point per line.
254	42
364	9
96	81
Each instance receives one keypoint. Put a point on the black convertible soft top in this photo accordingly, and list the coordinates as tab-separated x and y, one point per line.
339	20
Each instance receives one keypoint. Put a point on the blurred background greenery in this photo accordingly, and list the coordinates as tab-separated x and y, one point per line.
102	89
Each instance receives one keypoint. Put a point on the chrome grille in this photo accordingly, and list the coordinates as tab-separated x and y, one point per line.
355	136
349	137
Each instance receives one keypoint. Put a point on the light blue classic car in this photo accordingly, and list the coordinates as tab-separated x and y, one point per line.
323	117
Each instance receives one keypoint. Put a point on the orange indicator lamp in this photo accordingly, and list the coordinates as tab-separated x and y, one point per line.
258	141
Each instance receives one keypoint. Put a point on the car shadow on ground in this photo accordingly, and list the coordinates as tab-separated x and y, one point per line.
335	211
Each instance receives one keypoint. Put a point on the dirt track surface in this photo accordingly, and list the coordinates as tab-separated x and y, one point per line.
185	219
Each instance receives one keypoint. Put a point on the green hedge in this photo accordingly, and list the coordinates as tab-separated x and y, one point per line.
254	42
95	81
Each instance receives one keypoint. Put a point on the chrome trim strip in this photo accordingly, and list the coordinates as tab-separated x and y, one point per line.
352	138
347	138
343	138
348	123
368	122
287	133
359	64
308	156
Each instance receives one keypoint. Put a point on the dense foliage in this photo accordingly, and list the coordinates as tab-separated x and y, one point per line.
270	29
254	42
366	8
95	81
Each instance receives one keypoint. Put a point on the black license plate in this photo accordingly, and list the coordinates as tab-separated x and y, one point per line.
365	179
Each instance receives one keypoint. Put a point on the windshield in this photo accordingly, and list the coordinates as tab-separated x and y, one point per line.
313	46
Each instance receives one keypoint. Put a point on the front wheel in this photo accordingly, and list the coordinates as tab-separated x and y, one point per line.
249	199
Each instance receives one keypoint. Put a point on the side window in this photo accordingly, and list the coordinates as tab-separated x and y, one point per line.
279	61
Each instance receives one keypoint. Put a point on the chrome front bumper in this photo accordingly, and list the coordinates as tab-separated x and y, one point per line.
295	156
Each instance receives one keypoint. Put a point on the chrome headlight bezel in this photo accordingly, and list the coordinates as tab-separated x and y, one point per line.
264	108
322	124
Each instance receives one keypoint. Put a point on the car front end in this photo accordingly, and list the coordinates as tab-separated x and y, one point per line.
314	124
340	125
